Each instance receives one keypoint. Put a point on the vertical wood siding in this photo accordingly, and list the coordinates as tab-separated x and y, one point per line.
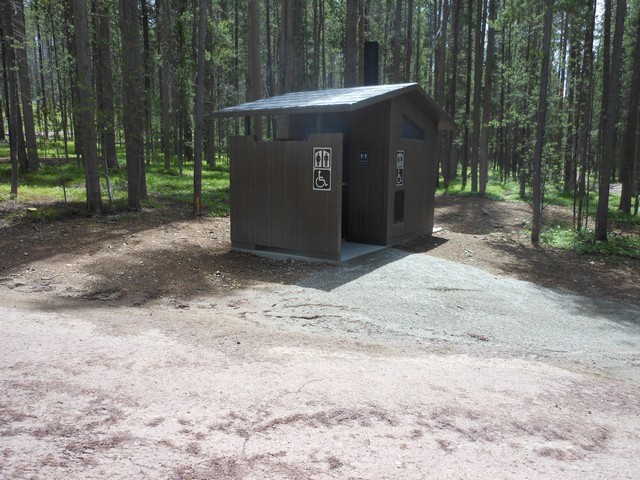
273	204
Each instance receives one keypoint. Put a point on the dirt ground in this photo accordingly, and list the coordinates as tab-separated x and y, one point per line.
142	347
171	255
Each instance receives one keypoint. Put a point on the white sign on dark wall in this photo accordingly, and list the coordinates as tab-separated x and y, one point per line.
400	168
322	168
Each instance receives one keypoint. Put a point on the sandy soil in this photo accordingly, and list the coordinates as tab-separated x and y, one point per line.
145	349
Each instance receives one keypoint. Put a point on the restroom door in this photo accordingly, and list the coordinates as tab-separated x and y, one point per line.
344	129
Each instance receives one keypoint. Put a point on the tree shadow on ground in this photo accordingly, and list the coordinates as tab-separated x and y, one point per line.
596	279
478	216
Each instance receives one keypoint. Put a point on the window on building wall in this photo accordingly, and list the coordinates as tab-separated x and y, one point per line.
411	130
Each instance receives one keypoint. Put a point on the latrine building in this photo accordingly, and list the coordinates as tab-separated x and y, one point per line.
354	164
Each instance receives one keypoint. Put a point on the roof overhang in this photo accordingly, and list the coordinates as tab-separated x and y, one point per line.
342	100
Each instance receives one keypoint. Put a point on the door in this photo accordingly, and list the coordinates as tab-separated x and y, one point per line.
344	129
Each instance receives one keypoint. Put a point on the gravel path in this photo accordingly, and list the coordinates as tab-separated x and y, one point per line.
390	366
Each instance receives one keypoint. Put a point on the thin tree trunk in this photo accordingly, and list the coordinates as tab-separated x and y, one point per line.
3	135
133	101
43	91
209	120
397	39
452	156
104	84
199	103
586	105
627	169
573	114
286	47
148	121
11	87
300	80
61	89
441	54
467	108
86	105
409	42
477	92
350	50
608	145
541	119
33	160
5	79
486	107
164	39
254	79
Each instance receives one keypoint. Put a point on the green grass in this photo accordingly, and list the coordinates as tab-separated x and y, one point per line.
45	190
564	237
559	235
496	190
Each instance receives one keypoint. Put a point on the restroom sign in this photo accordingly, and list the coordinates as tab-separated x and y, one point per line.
322	168
400	168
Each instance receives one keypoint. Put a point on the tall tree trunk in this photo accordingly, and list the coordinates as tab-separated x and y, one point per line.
351	49
86	105
477	92
541	119
3	135
397	43
209	87
628	163
61	89
185	80
453	89
608	144
300	79
409	42
286	63
199	102
486	107
441	54
165	43
254	79
43	91
148	72
586	106
104	84
133	101
33	160
467	108
441	74
11	91
573	114
287	73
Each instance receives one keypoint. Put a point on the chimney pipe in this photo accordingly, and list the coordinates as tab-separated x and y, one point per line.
371	63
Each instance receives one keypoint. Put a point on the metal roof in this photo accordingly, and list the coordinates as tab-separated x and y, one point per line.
338	100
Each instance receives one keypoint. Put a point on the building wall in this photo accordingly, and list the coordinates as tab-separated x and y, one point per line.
273	203
420	172
367	132
377	130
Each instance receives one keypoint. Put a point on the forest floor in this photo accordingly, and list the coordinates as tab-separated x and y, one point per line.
142	347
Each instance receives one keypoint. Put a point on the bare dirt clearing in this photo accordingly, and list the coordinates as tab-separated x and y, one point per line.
145	349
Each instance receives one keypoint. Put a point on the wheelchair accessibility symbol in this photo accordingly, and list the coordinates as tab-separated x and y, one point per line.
322	168
322	179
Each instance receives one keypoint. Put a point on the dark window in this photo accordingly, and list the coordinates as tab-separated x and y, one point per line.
398	206
411	130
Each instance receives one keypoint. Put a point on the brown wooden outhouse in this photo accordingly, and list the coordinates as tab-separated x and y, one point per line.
351	165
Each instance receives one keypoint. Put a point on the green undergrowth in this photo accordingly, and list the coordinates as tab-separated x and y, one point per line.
58	189
495	190
618	244
623	238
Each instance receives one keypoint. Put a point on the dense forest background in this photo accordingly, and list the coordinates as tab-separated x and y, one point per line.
546	93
